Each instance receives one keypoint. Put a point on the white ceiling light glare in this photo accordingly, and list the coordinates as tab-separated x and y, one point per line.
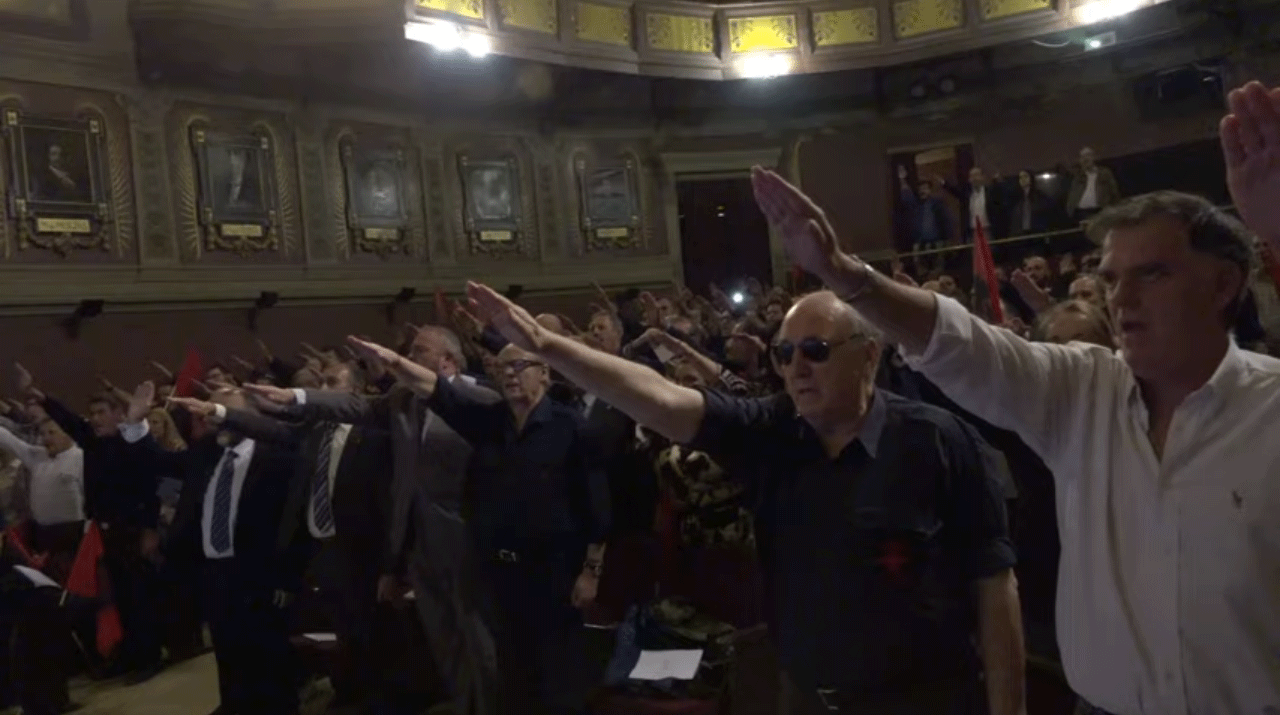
448	37
1102	10
765	66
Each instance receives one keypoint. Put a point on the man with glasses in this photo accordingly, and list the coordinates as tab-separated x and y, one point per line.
537	507
880	521
1164	452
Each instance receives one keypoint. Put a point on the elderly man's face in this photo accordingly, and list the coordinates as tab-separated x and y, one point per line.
1086	289
824	362
430	350
525	377
339	377
607	332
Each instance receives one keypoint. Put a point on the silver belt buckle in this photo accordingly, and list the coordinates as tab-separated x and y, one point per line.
828	698
508	556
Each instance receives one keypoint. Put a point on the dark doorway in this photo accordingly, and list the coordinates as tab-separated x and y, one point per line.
723	236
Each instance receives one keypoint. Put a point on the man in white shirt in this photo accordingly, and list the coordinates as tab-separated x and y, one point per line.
1164	452
55	494
981	204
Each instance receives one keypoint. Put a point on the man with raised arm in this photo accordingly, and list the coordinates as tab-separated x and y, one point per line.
1164	453
880	521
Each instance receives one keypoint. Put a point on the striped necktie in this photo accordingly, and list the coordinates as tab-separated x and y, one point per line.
321	506
220	524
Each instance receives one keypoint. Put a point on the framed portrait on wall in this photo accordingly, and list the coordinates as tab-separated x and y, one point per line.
235	174
610	206
377	207
58	190
491	199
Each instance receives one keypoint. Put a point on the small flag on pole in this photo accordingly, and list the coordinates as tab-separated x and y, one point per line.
984	271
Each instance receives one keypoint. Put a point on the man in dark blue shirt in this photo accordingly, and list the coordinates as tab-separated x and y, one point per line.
882	524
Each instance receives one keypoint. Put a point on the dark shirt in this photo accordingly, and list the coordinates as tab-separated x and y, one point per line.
869	558
120	483
535	489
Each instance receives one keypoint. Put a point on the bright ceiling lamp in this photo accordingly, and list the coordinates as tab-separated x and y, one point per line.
765	66
448	37
1103	10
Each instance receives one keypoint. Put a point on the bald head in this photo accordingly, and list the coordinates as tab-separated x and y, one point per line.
826	306
552	323
827	355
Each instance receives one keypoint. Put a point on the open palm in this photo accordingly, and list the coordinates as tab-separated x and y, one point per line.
805	231
1251	147
515	323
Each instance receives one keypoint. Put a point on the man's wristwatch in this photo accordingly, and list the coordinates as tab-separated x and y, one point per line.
868	279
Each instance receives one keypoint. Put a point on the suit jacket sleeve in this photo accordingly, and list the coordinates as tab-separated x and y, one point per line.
261	427
348	408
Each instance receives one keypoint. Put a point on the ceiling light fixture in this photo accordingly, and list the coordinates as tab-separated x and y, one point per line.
1103	10
448	37
765	66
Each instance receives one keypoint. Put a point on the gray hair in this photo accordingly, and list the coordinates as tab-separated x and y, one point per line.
452	345
1210	230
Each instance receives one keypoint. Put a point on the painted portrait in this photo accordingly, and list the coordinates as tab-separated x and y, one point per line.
608	196
58	165
376	186
491	192
235	176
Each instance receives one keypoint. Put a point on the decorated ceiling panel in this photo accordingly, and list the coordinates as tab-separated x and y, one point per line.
699	40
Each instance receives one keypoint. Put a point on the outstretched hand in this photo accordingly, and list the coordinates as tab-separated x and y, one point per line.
270	397
1036	298
515	323
806	233
406	372
198	408
140	402
1251	147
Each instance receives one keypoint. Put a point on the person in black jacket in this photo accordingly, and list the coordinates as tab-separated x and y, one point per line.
227	521
120	493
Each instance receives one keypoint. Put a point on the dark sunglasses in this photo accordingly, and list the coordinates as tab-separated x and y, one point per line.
813	349
519	366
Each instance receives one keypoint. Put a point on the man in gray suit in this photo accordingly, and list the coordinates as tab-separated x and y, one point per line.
427	539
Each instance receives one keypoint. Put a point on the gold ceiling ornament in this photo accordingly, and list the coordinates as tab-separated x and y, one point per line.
533	15
756	34
996	9
606	24
854	26
470	9
912	18
680	33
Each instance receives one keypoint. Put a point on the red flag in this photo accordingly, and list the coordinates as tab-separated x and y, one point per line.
984	270
88	580
184	383
16	536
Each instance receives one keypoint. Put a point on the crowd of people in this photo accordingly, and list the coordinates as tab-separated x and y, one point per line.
912	497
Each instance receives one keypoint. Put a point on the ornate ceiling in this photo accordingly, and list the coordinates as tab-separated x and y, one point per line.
664	38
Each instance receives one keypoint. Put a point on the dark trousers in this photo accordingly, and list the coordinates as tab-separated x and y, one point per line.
353	582
37	649
250	639
135	589
183	621
542	645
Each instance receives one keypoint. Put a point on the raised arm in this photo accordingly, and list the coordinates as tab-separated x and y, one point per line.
326	405
989	371
29	454
673	411
245	422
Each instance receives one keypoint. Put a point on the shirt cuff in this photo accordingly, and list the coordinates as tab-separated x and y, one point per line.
952	321
991	558
133	433
299	396
220	412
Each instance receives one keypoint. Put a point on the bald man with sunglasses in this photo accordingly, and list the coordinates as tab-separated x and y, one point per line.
881	523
